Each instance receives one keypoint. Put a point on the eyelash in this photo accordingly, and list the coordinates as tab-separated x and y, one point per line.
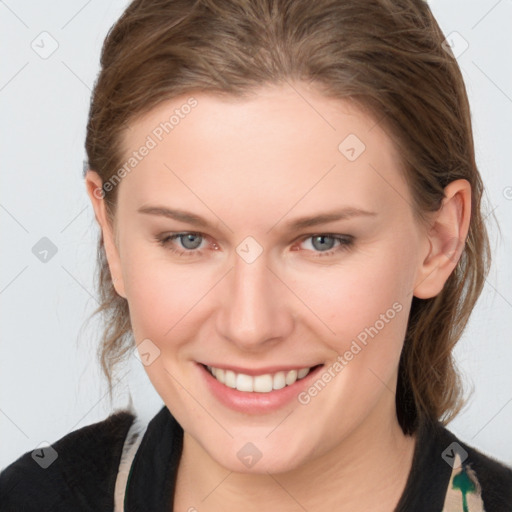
346	242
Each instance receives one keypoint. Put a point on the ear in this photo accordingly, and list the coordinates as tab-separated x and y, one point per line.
446	237
94	189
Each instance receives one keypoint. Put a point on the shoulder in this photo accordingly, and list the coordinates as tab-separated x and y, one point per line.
492	478
78	471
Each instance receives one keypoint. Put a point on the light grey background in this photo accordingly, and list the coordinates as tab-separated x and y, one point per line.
49	378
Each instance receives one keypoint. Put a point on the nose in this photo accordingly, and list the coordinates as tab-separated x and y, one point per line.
256	311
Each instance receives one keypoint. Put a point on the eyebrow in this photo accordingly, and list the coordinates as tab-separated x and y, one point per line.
300	223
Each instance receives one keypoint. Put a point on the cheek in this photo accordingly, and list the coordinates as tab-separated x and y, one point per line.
162	296
363	306
352	296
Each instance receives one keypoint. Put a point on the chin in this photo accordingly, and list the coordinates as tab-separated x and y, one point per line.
268	458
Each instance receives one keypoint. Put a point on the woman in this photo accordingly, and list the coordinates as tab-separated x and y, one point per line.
227	142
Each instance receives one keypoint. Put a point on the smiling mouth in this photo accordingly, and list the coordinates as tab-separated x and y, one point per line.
259	383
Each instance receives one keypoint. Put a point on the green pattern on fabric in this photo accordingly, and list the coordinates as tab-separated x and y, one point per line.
464	493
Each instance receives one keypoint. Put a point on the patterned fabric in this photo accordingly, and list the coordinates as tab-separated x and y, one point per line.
130	447
464	493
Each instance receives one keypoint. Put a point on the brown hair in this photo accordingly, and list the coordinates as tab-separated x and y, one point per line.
387	56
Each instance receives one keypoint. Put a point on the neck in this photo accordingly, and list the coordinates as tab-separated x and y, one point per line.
367	471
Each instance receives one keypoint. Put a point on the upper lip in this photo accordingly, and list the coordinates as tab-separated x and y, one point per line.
260	371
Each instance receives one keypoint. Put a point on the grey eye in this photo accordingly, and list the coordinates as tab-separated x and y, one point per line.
191	240
319	242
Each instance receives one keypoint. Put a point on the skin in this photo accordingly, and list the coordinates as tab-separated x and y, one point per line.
248	166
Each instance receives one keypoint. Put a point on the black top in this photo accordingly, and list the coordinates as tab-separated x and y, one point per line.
82	477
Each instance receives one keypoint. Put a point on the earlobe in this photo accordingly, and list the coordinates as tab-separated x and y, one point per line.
94	190
446	238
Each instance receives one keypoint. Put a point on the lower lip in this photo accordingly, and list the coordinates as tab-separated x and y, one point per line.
253	402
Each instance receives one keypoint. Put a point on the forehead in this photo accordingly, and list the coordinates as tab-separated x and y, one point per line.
280	144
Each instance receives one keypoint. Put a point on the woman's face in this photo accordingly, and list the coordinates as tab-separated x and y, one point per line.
302	252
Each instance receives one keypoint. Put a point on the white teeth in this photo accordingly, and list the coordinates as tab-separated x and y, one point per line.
302	373
291	377
263	383
279	380
244	382
230	379
260	383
